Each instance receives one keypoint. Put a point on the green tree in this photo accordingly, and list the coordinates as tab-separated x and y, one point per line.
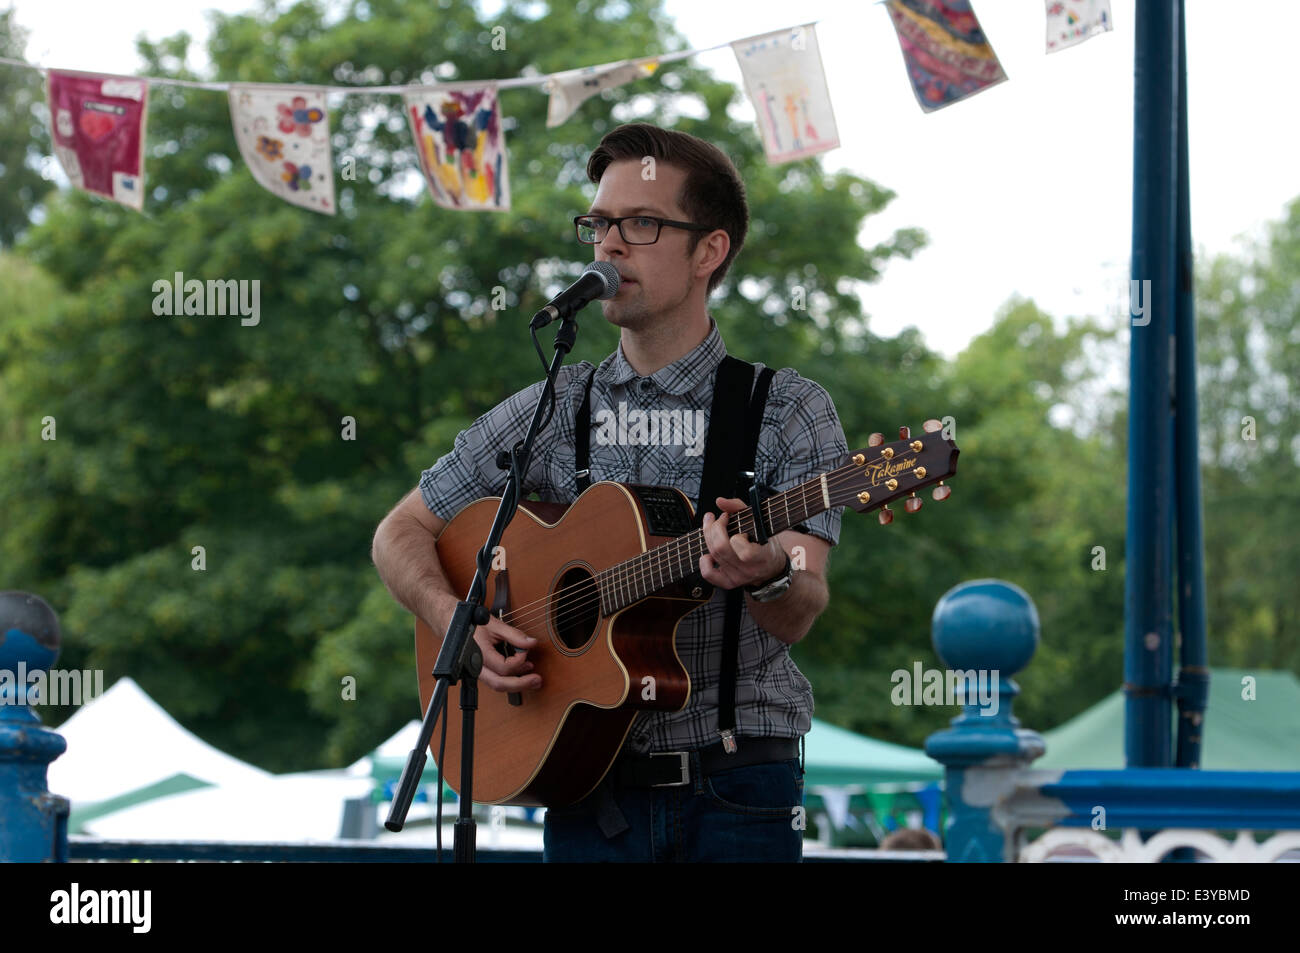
23	137
1248	310
1029	505
184	432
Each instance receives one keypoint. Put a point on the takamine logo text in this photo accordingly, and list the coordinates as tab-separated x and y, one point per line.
884	469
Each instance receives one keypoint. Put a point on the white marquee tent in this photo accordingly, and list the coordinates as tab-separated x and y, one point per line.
132	771
123	741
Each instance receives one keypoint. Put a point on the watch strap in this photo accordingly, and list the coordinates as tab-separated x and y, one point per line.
783	574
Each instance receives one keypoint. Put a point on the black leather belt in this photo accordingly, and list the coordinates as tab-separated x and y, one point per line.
673	768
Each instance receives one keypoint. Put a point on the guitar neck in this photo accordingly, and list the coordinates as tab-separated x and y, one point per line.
631	581
873	477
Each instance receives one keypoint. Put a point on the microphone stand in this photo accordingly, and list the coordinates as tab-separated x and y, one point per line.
459	659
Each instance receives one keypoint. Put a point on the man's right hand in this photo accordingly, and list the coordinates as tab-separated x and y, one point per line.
501	674
401	554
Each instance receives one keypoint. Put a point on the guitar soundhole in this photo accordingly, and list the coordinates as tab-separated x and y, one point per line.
576	608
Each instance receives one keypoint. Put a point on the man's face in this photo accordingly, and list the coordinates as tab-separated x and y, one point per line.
658	279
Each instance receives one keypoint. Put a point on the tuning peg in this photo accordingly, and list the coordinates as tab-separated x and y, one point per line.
904	433
932	426
941	492
912	503
875	440
886	516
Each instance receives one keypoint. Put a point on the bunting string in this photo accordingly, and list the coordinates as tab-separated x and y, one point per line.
516	82
283	130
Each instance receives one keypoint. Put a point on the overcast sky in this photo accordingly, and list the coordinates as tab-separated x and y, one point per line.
1024	188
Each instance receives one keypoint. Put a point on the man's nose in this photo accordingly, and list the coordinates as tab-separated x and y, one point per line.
613	241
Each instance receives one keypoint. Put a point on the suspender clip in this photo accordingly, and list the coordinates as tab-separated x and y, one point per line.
728	741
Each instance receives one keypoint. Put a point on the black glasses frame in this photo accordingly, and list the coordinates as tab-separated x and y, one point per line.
610	222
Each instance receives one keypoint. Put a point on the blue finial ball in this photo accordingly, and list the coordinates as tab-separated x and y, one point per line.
985	624
29	632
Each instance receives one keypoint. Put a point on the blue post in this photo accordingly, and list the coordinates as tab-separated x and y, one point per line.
1193	672
33	822
1148	579
983	626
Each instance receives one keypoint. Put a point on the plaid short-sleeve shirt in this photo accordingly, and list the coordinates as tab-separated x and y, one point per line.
801	438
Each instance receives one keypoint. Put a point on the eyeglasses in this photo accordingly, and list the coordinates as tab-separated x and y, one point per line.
635	229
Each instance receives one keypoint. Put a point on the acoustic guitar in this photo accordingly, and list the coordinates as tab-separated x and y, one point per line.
602	584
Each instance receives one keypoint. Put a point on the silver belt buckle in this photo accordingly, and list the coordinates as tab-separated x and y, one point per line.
685	757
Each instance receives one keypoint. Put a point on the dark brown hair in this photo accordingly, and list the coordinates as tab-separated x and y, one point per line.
713	195
912	838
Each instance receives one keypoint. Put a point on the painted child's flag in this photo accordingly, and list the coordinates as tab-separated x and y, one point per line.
947	55
461	145
1073	21
787	85
283	133
98	132
572	88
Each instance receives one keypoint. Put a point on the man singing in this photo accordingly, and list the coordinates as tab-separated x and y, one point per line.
721	779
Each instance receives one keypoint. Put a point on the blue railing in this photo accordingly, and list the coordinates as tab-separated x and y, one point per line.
995	799
34	823
94	848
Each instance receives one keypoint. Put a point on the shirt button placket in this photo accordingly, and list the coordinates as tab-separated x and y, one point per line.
646	387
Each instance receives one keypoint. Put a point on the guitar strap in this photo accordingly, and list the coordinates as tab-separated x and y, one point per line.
728	449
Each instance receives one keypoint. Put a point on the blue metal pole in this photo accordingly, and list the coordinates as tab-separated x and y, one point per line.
1193	674
33	822
1148	595
987	628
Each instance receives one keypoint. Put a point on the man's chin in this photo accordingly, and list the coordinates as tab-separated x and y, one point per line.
623	317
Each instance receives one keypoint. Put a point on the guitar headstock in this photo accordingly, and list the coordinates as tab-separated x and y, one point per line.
881	473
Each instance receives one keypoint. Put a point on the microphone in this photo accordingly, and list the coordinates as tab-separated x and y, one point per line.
600	280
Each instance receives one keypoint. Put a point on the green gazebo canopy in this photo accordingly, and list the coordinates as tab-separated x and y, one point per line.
837	757
1252	723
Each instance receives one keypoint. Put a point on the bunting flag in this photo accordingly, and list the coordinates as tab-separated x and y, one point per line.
283	133
948	57
461	146
572	88
787	85
98	132
1073	21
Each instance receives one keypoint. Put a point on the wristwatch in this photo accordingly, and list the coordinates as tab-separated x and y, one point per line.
774	588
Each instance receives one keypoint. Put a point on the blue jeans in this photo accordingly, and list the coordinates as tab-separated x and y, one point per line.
745	814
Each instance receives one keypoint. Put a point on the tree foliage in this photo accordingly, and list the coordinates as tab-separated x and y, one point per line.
23	136
1249	347
182	432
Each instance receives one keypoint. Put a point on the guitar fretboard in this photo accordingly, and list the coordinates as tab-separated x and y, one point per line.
635	579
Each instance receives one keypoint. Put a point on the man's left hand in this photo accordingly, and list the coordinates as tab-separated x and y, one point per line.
735	561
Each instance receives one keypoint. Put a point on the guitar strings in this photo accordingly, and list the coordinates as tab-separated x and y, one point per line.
625	583
623	578
630	577
622	581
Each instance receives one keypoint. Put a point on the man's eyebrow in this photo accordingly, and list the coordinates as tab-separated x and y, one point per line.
632	211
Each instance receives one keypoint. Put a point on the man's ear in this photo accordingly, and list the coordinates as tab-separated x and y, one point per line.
712	252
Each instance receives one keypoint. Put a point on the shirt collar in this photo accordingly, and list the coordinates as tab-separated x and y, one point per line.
681	376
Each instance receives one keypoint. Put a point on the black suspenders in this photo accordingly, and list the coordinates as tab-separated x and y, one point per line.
582	442
730	448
